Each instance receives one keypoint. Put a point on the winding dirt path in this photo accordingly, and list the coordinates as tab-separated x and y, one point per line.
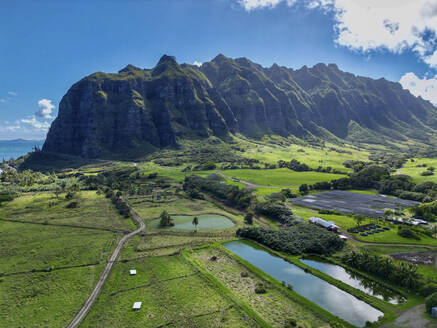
252	185
92	298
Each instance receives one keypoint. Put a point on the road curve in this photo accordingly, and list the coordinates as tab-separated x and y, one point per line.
252	185
92	298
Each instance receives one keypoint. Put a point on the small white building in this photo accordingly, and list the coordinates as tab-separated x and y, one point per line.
343	237
133	272
137	306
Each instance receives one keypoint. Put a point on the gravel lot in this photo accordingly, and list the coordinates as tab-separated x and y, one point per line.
353	203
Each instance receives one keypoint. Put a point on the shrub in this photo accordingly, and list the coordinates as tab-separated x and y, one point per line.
430	302
260	288
248	219
290	323
426	173
244	274
72	205
407	233
428	289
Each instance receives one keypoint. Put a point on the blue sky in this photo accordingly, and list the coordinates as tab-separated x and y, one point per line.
47	45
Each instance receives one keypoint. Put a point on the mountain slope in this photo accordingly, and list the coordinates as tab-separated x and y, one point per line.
138	110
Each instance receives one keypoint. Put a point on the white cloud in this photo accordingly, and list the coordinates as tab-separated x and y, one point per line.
255	4
36	125
426	88
363	25
2	100
196	63
45	108
12	93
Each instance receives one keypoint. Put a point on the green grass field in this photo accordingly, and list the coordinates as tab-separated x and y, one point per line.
26	247
157	244
311	156
93	210
45	299
148	209
173	293
281	177
410	168
274	306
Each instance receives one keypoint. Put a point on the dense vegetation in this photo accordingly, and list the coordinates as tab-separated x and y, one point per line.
400	273
231	195
298	239
297	166
278	212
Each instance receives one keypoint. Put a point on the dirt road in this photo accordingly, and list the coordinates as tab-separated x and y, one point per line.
92	298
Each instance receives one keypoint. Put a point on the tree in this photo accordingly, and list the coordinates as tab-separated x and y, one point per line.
303	189
248	219
359	218
57	191
195	222
165	219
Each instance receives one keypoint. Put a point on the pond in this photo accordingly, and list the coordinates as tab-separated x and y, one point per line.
206	222
359	282
325	295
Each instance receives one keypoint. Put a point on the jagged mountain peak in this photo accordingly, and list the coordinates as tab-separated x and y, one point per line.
140	109
129	68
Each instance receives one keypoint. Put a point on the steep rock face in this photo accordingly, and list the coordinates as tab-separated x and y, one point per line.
138	109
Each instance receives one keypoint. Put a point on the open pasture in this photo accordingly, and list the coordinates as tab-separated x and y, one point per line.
92	210
332	155
173	293
161	243
25	247
48	299
177	205
281	177
414	169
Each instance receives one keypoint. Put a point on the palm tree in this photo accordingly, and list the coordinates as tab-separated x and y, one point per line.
195	222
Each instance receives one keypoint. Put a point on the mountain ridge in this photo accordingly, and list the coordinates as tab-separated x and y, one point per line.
142	109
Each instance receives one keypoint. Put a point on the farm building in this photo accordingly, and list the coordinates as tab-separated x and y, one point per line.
137	306
133	272
328	225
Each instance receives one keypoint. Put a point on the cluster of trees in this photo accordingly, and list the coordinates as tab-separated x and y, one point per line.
26	178
429	171
297	166
278	212
427	211
402	273
120	179
116	198
231	195
298	239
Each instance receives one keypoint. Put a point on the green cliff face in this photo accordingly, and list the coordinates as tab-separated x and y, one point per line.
138	110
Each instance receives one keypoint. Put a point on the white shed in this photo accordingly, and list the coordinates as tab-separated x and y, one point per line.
133	272
137	306
343	237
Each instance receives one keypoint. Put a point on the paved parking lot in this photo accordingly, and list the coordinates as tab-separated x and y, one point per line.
349	202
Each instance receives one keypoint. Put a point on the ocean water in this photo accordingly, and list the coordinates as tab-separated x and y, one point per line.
16	148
